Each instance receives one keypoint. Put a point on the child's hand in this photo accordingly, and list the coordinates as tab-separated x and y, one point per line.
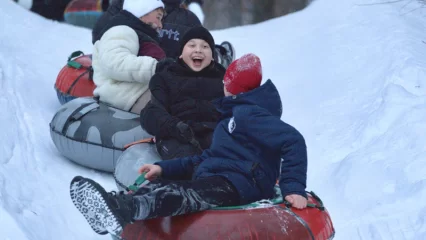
152	171
297	201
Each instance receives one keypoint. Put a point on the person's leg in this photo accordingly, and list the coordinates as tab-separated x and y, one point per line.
151	186
182	197
106	212
111	212
225	53
141	102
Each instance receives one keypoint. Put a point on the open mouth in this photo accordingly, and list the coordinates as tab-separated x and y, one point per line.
197	61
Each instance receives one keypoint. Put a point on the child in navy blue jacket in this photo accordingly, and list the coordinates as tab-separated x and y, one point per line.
251	149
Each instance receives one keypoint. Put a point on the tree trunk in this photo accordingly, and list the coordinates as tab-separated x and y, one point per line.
222	14
263	10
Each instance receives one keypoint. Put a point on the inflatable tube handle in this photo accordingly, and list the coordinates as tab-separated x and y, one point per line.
74	64
63	125
74	55
77	65
61	122
320	206
137	183
145	140
309	205
84	111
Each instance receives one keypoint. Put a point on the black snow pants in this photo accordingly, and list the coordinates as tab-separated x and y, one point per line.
162	198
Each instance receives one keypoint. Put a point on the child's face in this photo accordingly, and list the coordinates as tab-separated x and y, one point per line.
197	54
154	18
227	94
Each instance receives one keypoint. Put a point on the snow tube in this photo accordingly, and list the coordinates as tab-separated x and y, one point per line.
260	220
271	219
126	168
84	13
94	134
76	78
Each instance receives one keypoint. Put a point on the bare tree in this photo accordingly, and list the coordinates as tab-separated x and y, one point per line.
222	14
247	11
263	10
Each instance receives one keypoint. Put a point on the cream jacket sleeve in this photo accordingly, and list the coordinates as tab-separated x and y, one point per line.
117	50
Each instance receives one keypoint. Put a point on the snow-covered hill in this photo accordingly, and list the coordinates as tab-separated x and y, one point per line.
352	79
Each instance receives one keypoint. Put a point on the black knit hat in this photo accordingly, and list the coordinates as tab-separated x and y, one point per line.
197	32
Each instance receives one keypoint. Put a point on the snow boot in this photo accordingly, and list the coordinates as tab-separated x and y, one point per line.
225	53
105	212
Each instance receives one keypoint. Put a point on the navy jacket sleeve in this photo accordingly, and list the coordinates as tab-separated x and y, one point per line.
155	117
269	130
179	168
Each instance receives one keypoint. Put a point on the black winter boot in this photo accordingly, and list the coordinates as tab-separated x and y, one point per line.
105	212
225	53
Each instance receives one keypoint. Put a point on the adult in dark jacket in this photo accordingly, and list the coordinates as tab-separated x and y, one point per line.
180	114
178	20
241	166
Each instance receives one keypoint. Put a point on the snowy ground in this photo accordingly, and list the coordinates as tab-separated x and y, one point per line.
352	78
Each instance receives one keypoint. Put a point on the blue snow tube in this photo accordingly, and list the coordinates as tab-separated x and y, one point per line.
83	13
63	97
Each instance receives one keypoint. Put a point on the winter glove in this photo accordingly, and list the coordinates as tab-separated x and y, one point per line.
202	127
183	133
163	64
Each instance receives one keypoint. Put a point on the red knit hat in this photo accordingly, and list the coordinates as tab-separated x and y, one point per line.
243	74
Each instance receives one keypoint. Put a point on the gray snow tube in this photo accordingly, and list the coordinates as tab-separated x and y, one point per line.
126	170
93	134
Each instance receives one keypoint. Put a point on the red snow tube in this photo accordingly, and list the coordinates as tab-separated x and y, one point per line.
84	13
75	79
261	222
84	5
